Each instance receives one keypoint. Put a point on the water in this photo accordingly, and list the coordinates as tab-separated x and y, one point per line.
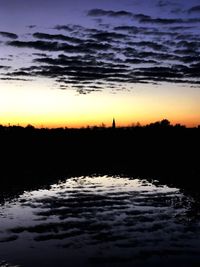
100	221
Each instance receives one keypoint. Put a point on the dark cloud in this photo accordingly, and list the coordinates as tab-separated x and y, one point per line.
40	45
63	60
73	70
163	3
194	9
87	47
145	31
160	33
18	73
167	3
160	20
60	37
40	54
187	37
194	20
9	35
5	59
108	36
188	59
185	51
104	25
90	45
76	68
130	29
14	79
163	21
108	57
4	67
140	61
181	28
88	59
189	45
150	55
142	18
159	72
63	27
31	26
79	63
152	45
177	11
98	20
109	13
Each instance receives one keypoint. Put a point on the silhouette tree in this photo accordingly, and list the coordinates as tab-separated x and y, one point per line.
165	123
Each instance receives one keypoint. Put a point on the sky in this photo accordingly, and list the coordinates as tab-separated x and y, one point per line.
74	63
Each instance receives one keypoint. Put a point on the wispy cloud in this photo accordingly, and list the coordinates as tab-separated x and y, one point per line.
194	9
9	35
145	50
60	37
109	13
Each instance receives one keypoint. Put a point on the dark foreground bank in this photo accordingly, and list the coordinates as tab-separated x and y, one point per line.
30	155
100	197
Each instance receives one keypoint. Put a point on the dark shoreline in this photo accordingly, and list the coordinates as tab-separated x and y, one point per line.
95	214
33	157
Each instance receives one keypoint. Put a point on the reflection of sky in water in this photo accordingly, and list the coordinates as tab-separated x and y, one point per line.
100	220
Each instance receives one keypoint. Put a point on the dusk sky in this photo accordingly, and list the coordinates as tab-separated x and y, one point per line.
82	62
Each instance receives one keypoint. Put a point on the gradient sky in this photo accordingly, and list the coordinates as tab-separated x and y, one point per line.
82	62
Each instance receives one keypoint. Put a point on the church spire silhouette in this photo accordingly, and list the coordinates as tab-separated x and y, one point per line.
113	123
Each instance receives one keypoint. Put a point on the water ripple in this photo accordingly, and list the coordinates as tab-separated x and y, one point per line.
101	220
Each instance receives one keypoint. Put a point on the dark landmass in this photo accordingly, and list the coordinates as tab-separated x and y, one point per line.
32	158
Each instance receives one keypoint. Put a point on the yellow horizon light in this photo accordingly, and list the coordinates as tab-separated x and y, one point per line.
44	107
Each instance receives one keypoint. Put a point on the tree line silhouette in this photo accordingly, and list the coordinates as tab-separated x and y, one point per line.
160	150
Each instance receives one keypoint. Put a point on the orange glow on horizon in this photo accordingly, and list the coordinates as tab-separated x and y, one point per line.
52	108
92	123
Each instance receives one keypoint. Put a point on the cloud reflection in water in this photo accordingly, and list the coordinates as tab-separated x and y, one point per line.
106	220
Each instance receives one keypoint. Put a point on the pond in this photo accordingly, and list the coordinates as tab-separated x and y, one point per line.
100	220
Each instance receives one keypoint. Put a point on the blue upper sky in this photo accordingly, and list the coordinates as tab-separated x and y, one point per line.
93	45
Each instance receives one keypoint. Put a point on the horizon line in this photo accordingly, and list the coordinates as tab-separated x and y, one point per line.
101	125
